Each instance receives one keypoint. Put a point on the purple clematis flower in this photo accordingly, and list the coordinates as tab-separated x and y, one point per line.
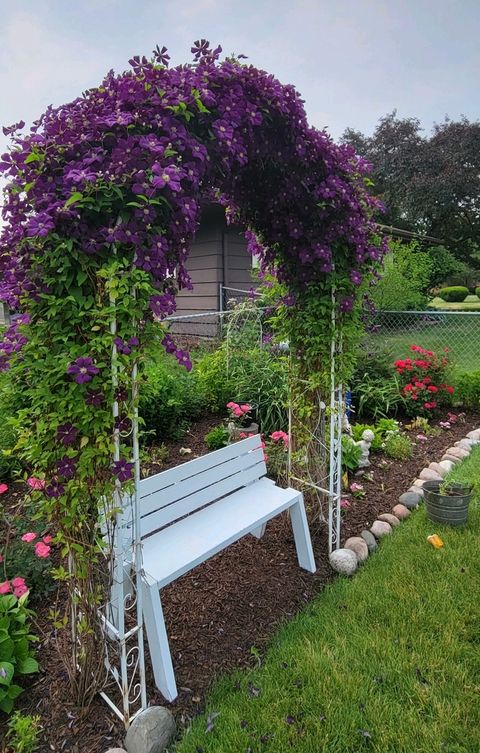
66	467
40	225
356	277
83	370
167	176
67	433
123	470
95	398
183	359
54	489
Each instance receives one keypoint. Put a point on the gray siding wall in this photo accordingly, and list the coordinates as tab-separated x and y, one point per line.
218	255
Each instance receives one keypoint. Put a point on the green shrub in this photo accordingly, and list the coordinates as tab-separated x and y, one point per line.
383	427
376	396
398	446
16	657
477	292
217	438
11	401
253	375
23	732
445	266
170	398
211	373
453	294
467	393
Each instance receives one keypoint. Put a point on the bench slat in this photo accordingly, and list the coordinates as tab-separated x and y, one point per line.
232	470
192	468
162	517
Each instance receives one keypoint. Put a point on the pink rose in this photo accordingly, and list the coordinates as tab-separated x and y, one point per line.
36	483
5	587
246	408
344	504
28	537
231	405
47	539
17	582
3	488
42	550
20	591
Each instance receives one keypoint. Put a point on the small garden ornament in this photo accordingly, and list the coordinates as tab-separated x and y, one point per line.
365	443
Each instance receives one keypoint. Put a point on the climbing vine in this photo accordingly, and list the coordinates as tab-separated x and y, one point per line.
103	198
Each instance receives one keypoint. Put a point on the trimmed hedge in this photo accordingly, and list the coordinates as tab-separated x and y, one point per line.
467	392
477	291
453	294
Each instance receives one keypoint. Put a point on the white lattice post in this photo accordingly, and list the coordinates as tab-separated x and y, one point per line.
336	416
124	645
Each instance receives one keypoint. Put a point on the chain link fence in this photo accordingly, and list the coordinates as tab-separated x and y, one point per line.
459	331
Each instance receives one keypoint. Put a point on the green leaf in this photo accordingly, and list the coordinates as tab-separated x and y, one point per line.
6	649
27	666
76	196
33	157
6	704
6	672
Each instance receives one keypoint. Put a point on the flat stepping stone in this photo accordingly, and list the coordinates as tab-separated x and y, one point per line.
428	475
358	546
370	540
438	469
401	511
344	561
410	499
389	518
380	528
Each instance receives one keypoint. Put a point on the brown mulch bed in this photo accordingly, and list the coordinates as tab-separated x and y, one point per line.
223	608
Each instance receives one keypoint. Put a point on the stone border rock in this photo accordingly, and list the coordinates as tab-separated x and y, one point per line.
358	548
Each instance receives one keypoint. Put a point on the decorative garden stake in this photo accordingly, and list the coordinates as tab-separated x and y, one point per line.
103	197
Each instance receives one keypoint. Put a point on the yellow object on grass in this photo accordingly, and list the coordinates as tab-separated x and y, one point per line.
435	541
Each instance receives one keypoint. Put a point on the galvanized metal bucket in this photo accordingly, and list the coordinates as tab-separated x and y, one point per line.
449	507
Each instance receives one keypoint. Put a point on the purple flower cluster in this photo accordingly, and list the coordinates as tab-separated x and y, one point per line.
168	140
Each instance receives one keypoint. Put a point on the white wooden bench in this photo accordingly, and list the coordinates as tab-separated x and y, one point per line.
192	512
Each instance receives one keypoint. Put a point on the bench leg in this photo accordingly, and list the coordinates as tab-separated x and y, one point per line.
258	532
301	534
158	643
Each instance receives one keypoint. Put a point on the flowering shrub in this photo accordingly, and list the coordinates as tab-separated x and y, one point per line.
26	564
423	381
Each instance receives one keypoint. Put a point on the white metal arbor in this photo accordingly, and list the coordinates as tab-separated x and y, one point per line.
122	617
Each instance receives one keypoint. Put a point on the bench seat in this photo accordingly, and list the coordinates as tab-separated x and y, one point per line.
180	547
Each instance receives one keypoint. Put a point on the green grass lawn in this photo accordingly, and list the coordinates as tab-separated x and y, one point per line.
388	661
461	334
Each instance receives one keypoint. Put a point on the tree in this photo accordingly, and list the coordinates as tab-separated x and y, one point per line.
430	184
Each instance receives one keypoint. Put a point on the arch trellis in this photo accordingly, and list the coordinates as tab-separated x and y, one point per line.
102	200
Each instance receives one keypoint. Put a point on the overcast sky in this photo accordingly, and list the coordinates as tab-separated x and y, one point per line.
352	60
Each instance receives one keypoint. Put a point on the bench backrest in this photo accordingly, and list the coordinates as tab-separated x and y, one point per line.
179	491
